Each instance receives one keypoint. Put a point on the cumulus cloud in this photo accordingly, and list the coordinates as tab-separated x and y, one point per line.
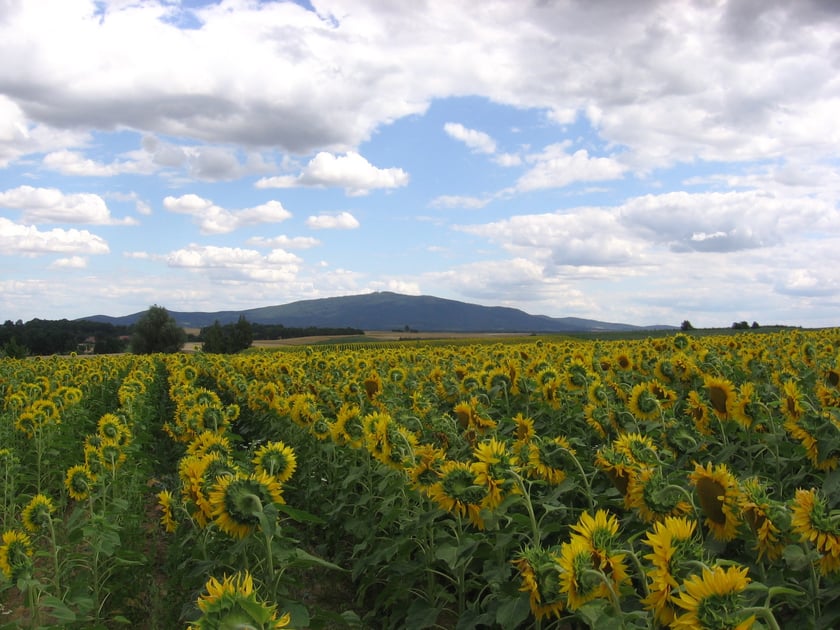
556	168
459	201
16	239
73	262
341	221
50	205
477	141
235	263
284	242
213	219
351	171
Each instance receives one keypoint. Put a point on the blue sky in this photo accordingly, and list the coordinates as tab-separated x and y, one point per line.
644	162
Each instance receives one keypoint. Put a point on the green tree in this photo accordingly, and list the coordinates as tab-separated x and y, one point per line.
214	339
686	325
243	335
14	350
157	331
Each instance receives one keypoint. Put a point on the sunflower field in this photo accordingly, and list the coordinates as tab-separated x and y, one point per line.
672	482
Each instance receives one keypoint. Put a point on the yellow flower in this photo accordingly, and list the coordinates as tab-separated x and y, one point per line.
713	600
459	492
547	458
37	513
720	497
539	571
79	481
811	519
166	513
721	395
232	603
15	554
579	578
672	544
275	459
493	468
654	496
755	507
236	501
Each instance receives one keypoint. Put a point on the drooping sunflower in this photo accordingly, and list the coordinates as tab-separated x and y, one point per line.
639	448
111	427
616	465
743	411
756	507
601	533
79	482
673	544
111	454
539	571
209	442
548	459
458	491
654	495
720	498
37	514
15	554
791	401
643	403
811	519
601	418
697	410
721	393
237	500
471	415
493	466
275	459
167	516
347	428
425	470
579	579
713	600
232	603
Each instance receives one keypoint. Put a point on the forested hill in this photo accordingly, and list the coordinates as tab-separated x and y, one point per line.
390	311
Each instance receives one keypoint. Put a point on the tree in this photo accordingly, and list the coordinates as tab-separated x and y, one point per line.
157	331
686	325
227	339
214	339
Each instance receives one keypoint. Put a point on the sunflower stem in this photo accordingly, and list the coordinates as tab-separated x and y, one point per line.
765	613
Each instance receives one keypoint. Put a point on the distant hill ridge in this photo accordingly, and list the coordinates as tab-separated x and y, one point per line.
385	310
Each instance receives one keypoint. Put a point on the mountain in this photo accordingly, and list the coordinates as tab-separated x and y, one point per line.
390	311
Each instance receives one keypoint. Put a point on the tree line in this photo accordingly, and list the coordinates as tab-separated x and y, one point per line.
155	331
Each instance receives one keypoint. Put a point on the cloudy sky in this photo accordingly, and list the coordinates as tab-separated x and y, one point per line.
642	162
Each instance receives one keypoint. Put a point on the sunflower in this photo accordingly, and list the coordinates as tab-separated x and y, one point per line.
539	571
756	511
579	577
237	500
425	470
547	458
811	519
616	465
232	603
209	442
36	515
15	554
165	501
110	427
79	481
713	600
639	448
275	459
601	418
721	395
743	411
672	543
111	454
347	428
458	491
493	467
791	401
820	435
697	410
654	496
470	416
601	534
525	431
720	498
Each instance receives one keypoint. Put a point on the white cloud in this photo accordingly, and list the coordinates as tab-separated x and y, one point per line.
234	263
477	141
50	205
27	240
284	242
213	219
555	168
74	163
351	172
458	201
73	262
341	221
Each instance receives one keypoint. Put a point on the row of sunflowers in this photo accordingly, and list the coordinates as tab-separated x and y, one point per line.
681	481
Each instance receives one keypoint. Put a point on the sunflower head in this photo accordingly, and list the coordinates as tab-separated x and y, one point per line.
15	554
714	599
79	482
238	501
275	459
539	571
720	498
37	514
232	603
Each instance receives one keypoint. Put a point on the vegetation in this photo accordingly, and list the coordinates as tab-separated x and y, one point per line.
45	337
227	339
157	331
682	481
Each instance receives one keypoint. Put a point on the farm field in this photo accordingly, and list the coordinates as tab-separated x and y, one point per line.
673	481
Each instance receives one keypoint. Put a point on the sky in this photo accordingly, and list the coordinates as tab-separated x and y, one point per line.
643	162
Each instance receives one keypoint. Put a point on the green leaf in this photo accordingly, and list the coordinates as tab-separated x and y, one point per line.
57	609
421	615
513	611
300	516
